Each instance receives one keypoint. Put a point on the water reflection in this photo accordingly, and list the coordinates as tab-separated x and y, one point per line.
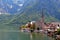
36	36
39	36
22	36
31	36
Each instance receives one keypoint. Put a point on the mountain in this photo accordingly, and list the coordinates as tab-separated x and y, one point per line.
11	6
32	12
28	11
52	6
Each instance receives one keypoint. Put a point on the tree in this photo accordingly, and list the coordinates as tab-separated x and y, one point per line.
58	31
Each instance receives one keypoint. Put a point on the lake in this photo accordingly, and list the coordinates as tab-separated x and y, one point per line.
17	35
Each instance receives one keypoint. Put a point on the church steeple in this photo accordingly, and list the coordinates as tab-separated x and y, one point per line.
42	19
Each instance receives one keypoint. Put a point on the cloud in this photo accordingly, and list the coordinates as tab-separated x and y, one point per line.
18	9
15	1
0	13
20	4
4	13
10	6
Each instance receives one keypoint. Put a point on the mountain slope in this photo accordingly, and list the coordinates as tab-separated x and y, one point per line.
32	11
5	18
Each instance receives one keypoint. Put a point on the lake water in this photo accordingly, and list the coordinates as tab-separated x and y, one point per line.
17	35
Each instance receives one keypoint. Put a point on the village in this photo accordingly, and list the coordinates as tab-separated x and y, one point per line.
48	28
52	29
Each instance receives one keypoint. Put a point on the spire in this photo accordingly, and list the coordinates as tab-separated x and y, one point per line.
42	19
